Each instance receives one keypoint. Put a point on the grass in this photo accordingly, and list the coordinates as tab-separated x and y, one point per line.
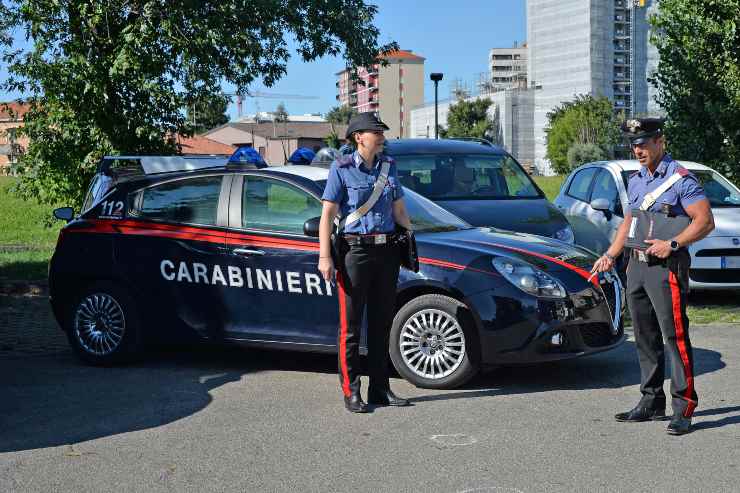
550	185
26	243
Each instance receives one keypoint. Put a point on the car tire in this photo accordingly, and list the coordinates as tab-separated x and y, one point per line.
433	343
103	325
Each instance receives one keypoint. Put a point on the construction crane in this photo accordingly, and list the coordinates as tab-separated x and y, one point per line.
259	94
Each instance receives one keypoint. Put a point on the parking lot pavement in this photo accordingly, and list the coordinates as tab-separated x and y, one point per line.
231	419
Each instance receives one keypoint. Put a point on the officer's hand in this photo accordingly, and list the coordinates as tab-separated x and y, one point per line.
326	267
659	248
603	264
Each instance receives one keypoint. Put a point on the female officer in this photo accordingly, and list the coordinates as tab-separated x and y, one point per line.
367	259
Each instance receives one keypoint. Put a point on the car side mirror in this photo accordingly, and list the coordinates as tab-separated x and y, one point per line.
600	205
64	213
311	227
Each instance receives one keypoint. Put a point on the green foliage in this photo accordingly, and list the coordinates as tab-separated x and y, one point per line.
207	113
585	120
115	77
340	114
332	140
698	80
469	119
550	185
579	154
281	114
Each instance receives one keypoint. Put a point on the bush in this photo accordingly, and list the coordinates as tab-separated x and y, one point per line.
579	154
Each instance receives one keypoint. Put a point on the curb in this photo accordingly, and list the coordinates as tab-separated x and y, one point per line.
25	288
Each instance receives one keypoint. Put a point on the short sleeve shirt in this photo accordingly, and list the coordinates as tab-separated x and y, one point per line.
350	184
685	191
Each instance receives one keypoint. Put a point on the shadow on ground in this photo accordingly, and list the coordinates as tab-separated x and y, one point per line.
53	400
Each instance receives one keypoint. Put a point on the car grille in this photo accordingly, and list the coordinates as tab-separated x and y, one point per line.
598	334
719	252
715	275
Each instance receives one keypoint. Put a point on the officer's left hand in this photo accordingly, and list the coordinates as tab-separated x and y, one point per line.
659	248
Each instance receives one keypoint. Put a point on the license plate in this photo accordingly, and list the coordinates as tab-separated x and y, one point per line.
731	262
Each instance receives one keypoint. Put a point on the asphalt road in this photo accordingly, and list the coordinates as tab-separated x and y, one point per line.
227	419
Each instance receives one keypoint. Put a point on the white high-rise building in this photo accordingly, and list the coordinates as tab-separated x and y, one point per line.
597	47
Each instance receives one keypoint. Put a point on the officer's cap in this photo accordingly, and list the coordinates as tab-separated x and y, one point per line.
639	130
363	122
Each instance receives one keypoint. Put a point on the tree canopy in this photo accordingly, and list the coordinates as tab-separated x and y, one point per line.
207	113
469	119
698	80
585	120
115	77
340	114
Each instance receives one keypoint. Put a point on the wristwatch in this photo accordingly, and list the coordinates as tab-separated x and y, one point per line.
674	245
609	257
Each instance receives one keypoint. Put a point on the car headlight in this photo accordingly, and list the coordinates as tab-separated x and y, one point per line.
529	279
565	234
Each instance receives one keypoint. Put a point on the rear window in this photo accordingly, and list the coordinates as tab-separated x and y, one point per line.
465	176
189	201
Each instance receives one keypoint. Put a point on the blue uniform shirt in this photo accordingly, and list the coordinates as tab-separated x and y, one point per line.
685	191
350	185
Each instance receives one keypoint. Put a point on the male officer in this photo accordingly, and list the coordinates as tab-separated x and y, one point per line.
657	279
368	259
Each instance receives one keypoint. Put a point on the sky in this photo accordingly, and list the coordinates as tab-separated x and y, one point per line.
454	37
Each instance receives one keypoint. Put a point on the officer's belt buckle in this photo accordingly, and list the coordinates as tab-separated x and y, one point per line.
641	256
380	239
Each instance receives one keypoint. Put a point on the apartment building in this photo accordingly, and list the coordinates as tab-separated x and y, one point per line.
390	90
597	47
508	67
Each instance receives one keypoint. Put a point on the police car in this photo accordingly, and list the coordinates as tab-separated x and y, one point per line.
179	246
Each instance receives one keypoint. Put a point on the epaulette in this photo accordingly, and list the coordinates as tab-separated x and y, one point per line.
385	157
345	160
682	171
634	174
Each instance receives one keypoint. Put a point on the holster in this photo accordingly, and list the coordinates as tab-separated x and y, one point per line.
406	242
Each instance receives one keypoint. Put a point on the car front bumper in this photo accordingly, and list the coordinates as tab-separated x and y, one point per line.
712	267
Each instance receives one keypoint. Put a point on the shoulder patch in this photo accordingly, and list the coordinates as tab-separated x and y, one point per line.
682	171
344	161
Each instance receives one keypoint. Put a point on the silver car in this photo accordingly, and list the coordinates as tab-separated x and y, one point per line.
593	198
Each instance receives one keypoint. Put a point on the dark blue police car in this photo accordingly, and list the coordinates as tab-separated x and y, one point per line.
481	183
230	254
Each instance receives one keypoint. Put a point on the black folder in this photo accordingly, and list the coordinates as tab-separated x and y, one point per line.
648	225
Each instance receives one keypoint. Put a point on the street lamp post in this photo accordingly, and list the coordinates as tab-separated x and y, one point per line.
436	77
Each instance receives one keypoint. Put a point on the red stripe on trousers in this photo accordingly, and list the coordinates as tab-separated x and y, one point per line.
343	335
681	342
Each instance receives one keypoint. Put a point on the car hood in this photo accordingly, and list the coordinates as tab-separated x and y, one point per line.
544	253
536	216
726	221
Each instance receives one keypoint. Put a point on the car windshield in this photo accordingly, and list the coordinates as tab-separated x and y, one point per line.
719	191
425	215
465	176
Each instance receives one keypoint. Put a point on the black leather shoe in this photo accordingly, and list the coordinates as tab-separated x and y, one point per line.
640	413
679	425
354	404
385	397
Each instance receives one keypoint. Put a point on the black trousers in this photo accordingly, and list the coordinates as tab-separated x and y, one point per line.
656	295
366	277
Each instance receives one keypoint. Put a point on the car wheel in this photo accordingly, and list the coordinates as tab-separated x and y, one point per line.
433	343
103	325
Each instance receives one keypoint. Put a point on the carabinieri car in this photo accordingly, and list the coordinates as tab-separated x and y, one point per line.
230	254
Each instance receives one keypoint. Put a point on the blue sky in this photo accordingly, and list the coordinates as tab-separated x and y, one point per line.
454	37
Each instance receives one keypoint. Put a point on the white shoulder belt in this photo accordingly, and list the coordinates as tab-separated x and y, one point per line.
365	208
651	197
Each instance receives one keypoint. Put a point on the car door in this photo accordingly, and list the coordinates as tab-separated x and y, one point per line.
605	187
284	299
170	247
575	204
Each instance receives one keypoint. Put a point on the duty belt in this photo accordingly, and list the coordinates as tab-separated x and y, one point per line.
372	239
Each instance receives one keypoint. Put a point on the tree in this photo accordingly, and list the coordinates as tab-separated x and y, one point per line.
332	140
340	114
579	154
116	77
207	113
281	114
469	119
698	80
585	120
